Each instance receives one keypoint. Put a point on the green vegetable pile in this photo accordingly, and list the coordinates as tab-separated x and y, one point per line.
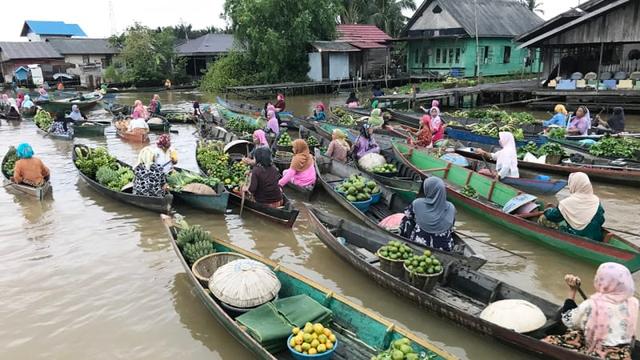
531	147
215	163
10	162
343	118
115	177
194	242
470	192
548	149
43	120
240	125
357	188
622	147
493	129
178	117
284	139
312	141
385	169
496	115
557	133
89	160
423	264
396	250
400	349
179	179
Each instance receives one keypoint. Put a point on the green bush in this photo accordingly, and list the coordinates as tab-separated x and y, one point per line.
233	69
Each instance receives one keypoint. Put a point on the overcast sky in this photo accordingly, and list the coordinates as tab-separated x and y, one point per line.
95	19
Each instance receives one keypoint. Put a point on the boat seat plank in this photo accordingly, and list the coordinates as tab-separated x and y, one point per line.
366	255
458	300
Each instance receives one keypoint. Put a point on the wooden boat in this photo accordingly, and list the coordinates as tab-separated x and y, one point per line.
405	118
164	127
493	196
331	173
157	204
577	147
460	296
326	130
11	114
89	128
64	105
210	203
467	135
248	109
361	333
30	112
38	192
285	214
55	136
406	183
597	170
133	137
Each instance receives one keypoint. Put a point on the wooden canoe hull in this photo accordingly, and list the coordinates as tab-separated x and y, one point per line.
209	203
286	216
452	310
616	250
54	136
549	187
55	106
36	192
352	317
157	204
133	137
466	135
89	129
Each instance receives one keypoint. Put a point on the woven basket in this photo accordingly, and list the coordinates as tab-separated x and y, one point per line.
393	267
204	267
424	282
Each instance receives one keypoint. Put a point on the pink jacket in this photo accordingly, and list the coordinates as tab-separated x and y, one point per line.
302	179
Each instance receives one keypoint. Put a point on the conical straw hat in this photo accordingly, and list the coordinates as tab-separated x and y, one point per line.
244	283
518	315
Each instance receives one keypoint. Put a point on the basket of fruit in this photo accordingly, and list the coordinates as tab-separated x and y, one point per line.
313	143
312	342
400	349
361	192
388	170
423	272
392	257
282	160
284	142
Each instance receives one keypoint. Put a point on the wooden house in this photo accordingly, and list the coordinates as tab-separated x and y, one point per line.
599	36
441	38
202	51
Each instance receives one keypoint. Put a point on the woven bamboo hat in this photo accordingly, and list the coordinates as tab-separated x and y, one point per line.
244	283
518	315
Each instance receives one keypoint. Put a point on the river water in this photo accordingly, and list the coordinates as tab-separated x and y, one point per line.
83	276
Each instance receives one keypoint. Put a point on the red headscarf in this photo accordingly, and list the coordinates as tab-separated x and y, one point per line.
164	141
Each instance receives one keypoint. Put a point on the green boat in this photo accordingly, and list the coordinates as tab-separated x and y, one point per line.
210	203
89	128
493	195
405	182
361	333
64	105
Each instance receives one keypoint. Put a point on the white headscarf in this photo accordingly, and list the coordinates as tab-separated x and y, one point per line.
507	157
581	206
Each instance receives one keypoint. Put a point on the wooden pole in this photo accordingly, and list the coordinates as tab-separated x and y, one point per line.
599	66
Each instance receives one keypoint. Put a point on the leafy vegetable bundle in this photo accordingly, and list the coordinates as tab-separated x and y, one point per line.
43	120
90	160
179	179
623	147
239	125
546	149
10	162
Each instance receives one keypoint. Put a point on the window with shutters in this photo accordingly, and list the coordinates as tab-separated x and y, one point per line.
450	56
444	55
486	58
458	56
507	55
438	53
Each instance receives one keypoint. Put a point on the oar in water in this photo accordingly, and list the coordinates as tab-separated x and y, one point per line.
489	244
623	231
247	181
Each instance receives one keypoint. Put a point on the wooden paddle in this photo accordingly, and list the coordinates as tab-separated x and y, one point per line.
247	182
489	244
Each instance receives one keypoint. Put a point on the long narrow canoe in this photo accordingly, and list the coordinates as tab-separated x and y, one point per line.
330	174
157	204
598	170
360	332
467	135
133	137
89	128
210	203
54	136
247	109
576	146
37	192
406	183
460	296
29	112
63	105
494	195
326	131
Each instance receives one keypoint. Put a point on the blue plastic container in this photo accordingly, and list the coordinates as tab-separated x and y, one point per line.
324	356
375	198
543	178
362	205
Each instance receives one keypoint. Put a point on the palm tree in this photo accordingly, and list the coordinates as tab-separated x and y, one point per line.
387	14
351	11
533	5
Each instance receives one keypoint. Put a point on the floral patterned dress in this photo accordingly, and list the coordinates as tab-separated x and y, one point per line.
149	182
412	231
58	128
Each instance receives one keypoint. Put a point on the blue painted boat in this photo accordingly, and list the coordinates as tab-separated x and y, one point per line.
536	186
209	203
466	135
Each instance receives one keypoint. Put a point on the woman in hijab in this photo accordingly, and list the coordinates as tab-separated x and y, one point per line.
61	125
155	106
139	112
264	180
259	140
338	147
365	143
43	95
616	120
429	220
559	119
26	103
424	135
352	100
20	99
506	159
75	114
166	156
273	125
28	169
581	211
280	104
318	113
149	177
580	123
375	119
302	171
437	126
603	326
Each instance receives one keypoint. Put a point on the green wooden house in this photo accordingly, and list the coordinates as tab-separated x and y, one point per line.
441	38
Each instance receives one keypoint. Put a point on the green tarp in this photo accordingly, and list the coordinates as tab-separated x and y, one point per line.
271	323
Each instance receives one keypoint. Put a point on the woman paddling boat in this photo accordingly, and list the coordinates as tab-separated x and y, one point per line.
264	178
29	170
506	159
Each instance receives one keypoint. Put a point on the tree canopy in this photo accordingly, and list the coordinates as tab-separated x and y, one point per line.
385	14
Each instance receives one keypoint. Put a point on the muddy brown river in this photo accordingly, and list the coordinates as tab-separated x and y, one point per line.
85	277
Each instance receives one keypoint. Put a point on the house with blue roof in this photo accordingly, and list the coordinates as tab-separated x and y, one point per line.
36	30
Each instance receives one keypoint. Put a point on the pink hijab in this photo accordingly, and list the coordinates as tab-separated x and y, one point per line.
139	112
614	285
270	107
261	137
436	125
272	124
435	104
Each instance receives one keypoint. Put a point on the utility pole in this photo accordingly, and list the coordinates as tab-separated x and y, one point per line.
112	19
475	7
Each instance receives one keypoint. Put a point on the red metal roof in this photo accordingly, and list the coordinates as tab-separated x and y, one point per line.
367	45
362	34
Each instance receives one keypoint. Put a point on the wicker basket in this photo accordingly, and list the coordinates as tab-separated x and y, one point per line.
553	159
393	267
204	267
288	148
424	282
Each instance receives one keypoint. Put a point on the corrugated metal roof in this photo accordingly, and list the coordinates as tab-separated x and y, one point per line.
497	18
333	46
368	45
27	50
361	33
51	28
209	44
83	46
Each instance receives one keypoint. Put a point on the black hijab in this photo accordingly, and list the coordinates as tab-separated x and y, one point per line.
60	117
616	120
352	98
263	157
